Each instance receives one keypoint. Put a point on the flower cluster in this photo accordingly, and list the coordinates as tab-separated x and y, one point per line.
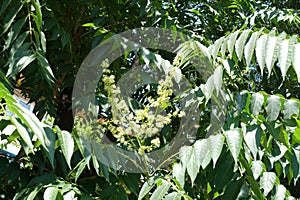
133	127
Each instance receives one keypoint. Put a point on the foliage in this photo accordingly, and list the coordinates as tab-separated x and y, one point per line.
253	48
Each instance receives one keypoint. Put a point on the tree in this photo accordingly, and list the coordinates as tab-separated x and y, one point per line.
252	48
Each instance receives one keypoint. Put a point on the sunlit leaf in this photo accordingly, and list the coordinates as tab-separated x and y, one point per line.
257	168
179	173
66	144
280	193
291	107
160	191
234	140
267	182
202	152
257	100
273	107
240	44
51	193
216	146
260	52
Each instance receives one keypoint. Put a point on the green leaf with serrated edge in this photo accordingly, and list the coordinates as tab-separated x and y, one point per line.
66	144
184	155
234	140
231	41
179	173
273	107
291	107
50	193
257	168
160	191
267	182
260	52
252	138
296	164
216	146
23	133
192	168
174	196
147	186
257	100
296	60
285	54
202	152
280	192
249	48
240	43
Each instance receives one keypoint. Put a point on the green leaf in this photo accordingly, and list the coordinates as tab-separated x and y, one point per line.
215	47
218	78
23	133
147	186
216	146
291	107
192	168
33	193
50	193
249	48
272	49
240	44
161	190
179	174
50	144
202	152
280	192
66	144
24	62
231	41
273	107
79	169
257	101
10	17
185	153
234	140
4	6
296	164
14	32
267	182
38	15
296	60
260	52
286	54
257	168
70	195
208	88
174	196
252	137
